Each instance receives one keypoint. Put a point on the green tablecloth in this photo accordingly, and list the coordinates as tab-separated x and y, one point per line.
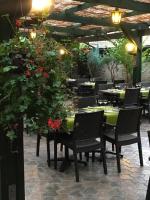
144	92
92	84
110	113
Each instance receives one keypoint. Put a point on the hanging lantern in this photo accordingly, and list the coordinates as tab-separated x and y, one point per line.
131	48
44	7
116	16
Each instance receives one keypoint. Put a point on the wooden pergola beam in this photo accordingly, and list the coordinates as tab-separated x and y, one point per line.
99	37
125	4
75	31
67	16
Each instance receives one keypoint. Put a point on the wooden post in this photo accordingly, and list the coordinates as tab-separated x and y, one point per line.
11	152
12	166
138	61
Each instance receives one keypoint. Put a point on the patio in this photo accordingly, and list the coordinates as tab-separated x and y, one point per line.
44	183
39	54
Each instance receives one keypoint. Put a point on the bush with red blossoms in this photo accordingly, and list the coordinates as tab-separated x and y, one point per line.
32	81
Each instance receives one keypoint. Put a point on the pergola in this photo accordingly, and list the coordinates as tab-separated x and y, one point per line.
86	20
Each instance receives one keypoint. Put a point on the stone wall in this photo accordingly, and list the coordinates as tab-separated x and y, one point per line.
146	72
104	73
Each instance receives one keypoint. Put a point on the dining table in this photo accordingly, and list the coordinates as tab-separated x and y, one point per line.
120	93
110	114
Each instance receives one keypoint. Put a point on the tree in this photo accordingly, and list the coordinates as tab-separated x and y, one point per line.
93	61
118	55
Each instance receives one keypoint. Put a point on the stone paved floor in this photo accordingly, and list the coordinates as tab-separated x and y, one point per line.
43	183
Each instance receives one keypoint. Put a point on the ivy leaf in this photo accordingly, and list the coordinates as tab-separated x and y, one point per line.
11	135
8	68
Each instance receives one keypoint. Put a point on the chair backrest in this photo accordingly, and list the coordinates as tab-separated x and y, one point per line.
83	102
118	81
128	121
85	90
88	125
145	84
105	86
97	85
132	97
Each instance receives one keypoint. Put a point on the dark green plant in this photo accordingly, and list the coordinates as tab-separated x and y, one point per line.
146	55
118	55
32	81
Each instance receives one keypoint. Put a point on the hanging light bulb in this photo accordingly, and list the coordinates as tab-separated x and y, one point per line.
116	16
42	6
62	51
33	34
131	48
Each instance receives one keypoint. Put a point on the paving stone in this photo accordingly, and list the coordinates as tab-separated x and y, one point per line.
44	183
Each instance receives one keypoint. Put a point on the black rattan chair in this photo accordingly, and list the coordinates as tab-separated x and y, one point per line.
87	128
126	132
83	102
49	137
146	105
132	97
145	84
85	90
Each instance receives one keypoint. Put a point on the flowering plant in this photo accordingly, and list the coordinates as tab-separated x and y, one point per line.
54	124
32	81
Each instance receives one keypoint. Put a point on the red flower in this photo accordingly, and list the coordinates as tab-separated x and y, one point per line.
28	73
54	124
50	122
45	75
18	23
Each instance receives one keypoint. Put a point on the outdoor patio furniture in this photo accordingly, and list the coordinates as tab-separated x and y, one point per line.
83	138
126	132
145	84
146	105
49	137
132	97
97	83
119	81
85	90
148	191
83	102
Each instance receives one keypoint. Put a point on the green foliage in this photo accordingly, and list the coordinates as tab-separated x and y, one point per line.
146	55
32	78
118	55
